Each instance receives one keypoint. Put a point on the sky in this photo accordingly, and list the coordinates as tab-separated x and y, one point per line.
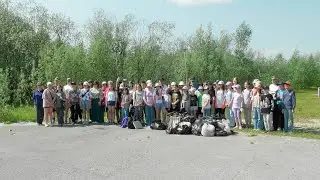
279	26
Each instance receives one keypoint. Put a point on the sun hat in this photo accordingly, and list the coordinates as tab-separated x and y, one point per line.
181	83
149	84
220	83
288	83
254	81
185	88
49	83
157	85
200	88
86	83
124	80
228	83
121	86
103	83
149	81
173	84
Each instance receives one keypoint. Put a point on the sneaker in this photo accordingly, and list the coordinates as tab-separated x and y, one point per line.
240	127
46	125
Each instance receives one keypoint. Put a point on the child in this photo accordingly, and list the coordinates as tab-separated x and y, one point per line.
74	103
199	94
206	108
148	98
167	104
220	99
185	101
79	88
266	108
111	101
85	102
176	99
159	101
193	102
247	95
256	106
59	104
289	101
236	104
125	102
228	97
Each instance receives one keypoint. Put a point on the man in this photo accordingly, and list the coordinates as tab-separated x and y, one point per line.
73	99
66	89
273	87
289	101
278	118
124	83
38	103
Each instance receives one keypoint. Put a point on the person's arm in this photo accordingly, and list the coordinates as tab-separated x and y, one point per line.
34	97
293	100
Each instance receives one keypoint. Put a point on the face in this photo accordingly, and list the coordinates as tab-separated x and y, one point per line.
158	87
281	86
246	85
80	86
138	87
73	86
286	86
57	82
143	85
238	89
235	81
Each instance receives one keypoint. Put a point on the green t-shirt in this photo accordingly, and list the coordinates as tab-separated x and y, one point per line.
199	96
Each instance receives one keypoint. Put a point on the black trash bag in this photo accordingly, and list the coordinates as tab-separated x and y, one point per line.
184	128
189	118
172	125
221	133
196	127
158	125
131	111
130	123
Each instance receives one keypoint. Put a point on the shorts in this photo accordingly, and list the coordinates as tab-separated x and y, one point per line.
159	105
194	108
111	103
85	105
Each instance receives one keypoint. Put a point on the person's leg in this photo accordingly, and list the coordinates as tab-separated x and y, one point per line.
73	113
36	108
265	120
41	114
102	113
286	118
60	114
45	116
66	111
290	120
51	114
157	113
246	116
281	124
148	115
270	119
255	118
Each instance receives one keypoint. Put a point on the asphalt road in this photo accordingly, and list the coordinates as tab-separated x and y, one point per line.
109	152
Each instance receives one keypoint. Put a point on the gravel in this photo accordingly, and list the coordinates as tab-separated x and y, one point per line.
109	152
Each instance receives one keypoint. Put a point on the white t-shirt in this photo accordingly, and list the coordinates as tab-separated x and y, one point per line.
206	100
66	89
220	98
111	96
272	89
237	100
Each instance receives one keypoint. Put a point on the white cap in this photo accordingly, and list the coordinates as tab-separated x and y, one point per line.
49	83
156	85
185	88
86	83
192	90
173	84
181	83
121	86
200	88
149	81
149	84
104	82
220	83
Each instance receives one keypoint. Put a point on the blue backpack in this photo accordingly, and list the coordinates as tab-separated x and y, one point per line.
124	122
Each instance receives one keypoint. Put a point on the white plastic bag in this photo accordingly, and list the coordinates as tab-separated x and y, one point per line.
226	126
207	130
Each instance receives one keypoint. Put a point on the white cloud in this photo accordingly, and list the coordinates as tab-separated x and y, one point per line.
199	2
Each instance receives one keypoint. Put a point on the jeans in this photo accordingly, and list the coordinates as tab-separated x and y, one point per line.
206	112
60	114
267	119
247	116
230	117
257	119
149	115
288	120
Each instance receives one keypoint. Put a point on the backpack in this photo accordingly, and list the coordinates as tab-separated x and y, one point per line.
130	123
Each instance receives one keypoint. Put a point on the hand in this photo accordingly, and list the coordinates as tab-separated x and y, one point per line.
292	110
202	110
241	109
282	111
118	79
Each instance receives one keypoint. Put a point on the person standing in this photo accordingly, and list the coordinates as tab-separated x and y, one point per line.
57	83
48	98
148	99
206	107
38	103
66	89
220	99
199	94
95	103
247	106
256	106
278	120
185	101
229	113
138	103
59	105
74	103
212	94
266	109
289	101
85	102
236	104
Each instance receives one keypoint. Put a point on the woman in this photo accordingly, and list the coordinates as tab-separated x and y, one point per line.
49	98
236	104
85	102
125	102
159	101
59	104
148	99
256	106
38	103
138	103
229	95
220	99
95	103
111	97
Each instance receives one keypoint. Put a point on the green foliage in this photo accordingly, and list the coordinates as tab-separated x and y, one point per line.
37	46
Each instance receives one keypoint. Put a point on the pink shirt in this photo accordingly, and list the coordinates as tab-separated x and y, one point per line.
48	97
148	97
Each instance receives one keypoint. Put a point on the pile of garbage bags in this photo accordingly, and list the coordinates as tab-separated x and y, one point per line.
184	123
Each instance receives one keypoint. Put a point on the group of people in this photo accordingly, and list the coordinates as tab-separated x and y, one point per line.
266	107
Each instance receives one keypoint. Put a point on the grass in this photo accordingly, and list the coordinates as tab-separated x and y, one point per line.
10	114
308	105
